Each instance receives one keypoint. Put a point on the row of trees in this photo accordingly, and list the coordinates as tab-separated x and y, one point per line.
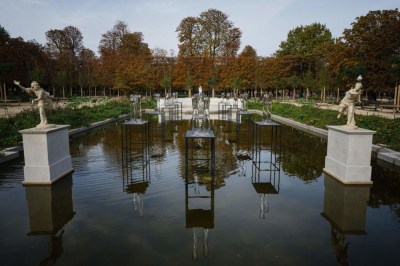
308	60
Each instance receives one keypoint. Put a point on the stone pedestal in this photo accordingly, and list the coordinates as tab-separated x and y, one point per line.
46	153
349	154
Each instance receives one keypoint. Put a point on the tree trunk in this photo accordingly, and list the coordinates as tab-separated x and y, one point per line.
337	95
294	94
5	92
307	94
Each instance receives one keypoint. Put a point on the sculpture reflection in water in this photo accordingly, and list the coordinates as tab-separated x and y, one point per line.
50	209
265	182
135	160
199	208
266	153
136	177
199	185
136	183
345	208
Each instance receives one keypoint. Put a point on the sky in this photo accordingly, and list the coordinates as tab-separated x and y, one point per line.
264	23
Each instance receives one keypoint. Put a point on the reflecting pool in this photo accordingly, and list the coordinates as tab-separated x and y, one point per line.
111	213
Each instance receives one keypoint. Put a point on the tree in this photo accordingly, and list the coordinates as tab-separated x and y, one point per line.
375	39
303	40
247	67
134	60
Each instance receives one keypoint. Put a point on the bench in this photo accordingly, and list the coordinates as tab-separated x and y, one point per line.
368	105
395	108
7	102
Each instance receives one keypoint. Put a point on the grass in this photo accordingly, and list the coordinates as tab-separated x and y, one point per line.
69	115
387	130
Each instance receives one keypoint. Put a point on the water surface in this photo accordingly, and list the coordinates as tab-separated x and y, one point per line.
107	213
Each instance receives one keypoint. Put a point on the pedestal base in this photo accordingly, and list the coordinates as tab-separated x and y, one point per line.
349	154
46	153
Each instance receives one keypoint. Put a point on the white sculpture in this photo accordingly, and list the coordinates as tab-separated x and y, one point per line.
44	100
347	103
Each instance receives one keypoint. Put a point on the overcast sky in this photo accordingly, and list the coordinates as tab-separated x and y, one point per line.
264	23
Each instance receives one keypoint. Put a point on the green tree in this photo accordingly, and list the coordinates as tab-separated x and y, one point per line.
303	40
375	39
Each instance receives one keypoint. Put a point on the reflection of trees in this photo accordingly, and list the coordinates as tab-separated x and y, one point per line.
303	155
385	190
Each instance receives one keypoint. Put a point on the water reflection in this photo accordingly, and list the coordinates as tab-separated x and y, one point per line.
302	154
199	208
226	227
50	209
265	182
345	208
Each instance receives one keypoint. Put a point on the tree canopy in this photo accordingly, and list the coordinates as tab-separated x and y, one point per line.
309	59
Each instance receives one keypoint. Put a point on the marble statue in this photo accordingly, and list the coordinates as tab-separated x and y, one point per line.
347	103
43	100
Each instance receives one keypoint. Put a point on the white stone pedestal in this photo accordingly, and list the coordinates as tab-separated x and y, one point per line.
46	153
349	154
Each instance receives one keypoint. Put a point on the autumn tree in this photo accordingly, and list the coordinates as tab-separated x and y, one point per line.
209	36
63	47
134	63
246	69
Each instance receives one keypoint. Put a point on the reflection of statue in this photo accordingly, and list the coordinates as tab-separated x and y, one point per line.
43	100
266	105
347	103
264	206
243	98
339	243
138	203
55	249
157	97
136	108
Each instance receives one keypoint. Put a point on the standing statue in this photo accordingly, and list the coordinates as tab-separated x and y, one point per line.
347	103
44	100
136	107
266	106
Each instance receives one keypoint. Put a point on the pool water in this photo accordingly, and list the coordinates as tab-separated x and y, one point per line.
111	211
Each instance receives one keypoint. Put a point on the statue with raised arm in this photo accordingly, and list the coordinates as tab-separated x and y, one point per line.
43	100
347	103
